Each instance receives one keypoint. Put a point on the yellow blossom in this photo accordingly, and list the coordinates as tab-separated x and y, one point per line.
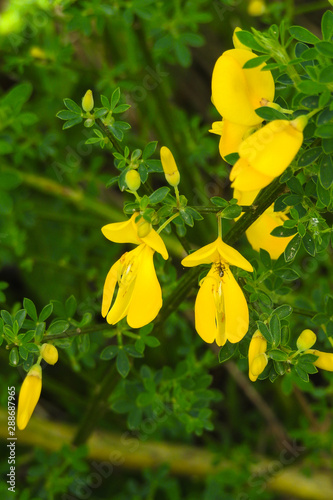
139	296
170	168
324	360
88	101
232	134
259	233
257	347
237	92
49	353
306	340
221	311
29	396
266	154
256	8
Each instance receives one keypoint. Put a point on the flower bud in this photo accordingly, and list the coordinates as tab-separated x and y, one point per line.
132	179
258	365
49	353
237	43
324	361
29	396
258	345
306	340
256	8
144	228
169	167
88	101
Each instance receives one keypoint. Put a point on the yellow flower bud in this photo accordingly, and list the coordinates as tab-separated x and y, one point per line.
258	346
324	361
306	340
237	43
29	396
256	8
258	365
49	353
132	179
144	228
169	167
37	53
88	101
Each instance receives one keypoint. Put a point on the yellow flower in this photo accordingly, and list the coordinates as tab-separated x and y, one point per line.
306	340
324	361
237	92
232	134
29	396
256	8
49	353
139	296
221	311
170	168
259	233
257	363
266	154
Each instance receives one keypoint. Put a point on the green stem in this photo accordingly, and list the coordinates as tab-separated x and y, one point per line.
160	229
78	331
215	209
111	138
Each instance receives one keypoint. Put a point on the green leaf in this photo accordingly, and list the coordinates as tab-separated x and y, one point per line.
159	195
309	157
187	217
325	48
303	35
121	108
58	326
292	248
65	114
324	195
278	355
14	357
327	25
105	102
24	353
326	74
39	332
115	98
256	61
283	311
246	38
151	341
72	123
301	373
287	274
326	171
269	114
325	131
265	331
70	306
231	212
182	53
20	317
265	258
109	352
227	351
122	363
275	328
310	87
30	307
72	106
149	150
309	244
282	232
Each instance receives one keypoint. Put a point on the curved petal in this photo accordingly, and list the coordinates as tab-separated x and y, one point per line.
245	178
235	308
245	197
146	300
205	311
205	255
154	241
232	256
258	345
122	232
109	286
259	235
217	128
231	137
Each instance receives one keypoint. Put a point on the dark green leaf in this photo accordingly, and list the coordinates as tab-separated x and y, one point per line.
278	355
227	351
109	352
65	114
309	244
327	25
72	106
70	306
265	331
58	326
303	35
159	195
326	171
283	311
325	48
72	123
323	194
14	357
149	150
151	341
270	114
46	312
309	157
30	307
292	248
123	365
255	62
248	39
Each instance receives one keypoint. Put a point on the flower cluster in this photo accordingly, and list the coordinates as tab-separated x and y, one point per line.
32	385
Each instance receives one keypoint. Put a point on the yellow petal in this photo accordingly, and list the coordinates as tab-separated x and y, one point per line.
237	92
324	361
231	137
306	340
205	255
235	309
109	286
29	396
245	178
217	128
271	149
154	240
245	197
232	256
259	235
205	310
257	346
146	300
122	232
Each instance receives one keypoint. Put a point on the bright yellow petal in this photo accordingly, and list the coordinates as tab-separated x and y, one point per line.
205	255
271	149
237	92
217	128
324	361
205	310
245	197
231	137
259	235
109	286
246	178
235	308
232	256
146	300
257	346
122	232
154	240
29	396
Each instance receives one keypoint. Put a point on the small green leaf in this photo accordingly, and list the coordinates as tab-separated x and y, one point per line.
115	98
292	248
275	328
151	341
309	157
46	312
303	35
269	114
309	244
278	355
14	357
70	306
283	311
246	38
265	331
72	106
72	123
327	25
65	114
158	195
30	307
122	363
227	351
58	326
255	62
